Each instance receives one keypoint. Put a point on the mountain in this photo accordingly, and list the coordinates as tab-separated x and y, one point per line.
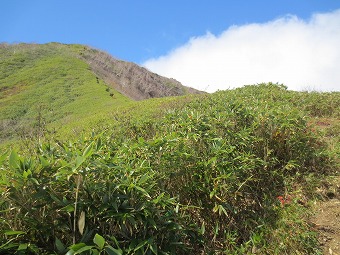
97	171
57	84
130	79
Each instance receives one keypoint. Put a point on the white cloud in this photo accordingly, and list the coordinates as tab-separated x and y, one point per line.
300	54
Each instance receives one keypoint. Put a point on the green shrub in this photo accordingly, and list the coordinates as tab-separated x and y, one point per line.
202	177
48	196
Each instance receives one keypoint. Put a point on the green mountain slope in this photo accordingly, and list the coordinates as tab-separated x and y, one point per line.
48	84
234	172
55	85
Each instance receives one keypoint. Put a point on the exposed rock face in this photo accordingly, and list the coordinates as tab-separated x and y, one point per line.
130	79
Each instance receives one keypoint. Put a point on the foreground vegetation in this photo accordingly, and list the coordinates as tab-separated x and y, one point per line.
228	173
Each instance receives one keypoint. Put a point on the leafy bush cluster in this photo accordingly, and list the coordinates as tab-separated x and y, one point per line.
204	178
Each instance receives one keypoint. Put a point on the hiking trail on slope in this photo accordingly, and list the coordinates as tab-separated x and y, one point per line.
326	222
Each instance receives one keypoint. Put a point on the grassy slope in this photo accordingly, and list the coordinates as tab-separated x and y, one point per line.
49	87
220	160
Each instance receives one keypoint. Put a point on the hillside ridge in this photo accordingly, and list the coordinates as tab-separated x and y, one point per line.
131	79
128	78
60	84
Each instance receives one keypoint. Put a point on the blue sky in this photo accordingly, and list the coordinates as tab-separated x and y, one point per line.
149	31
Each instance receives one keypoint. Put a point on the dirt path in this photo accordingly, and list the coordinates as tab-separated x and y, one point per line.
326	220
327	223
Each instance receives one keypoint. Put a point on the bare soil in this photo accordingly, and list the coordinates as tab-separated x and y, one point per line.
326	222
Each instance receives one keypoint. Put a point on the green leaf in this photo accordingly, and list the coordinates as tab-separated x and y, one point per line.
59	245
79	161
143	179
27	173
212	161
217	228
153	245
95	252
77	246
14	160
22	246
140	245
43	161
152	222
212	193
203	228
35	181
3	157
99	143
88	151
112	251
13	232
133	244
114	240
143	191
132	221
55	198
141	140
85	248
99	241
153	248
70	252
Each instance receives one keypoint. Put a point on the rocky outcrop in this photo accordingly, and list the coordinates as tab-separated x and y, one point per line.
130	79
